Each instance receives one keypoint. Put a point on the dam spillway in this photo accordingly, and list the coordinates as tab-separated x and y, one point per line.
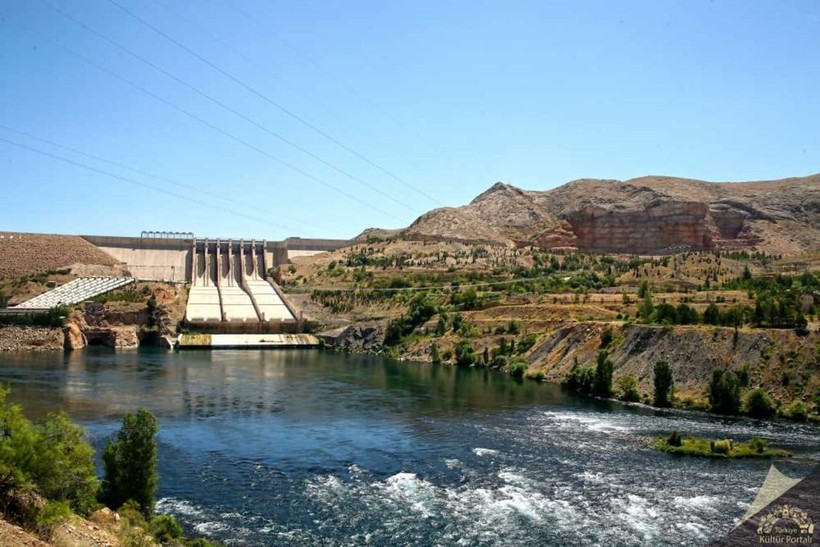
229	291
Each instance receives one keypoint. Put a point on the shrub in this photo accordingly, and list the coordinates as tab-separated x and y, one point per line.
674	439
537	375
603	375
724	392
130	462
580	379
720	447
517	368
165	528
465	354
759	444
499	361
53	513
796	411
629	388
664	383
759	404
52	458
526	343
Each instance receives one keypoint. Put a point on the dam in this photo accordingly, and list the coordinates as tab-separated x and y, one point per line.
228	287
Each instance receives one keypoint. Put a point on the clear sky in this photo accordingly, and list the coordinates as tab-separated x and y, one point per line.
383	109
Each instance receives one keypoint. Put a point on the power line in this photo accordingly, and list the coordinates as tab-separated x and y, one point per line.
138	183
350	88
268	99
211	125
221	104
140	172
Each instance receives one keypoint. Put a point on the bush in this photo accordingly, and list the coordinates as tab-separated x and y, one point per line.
720	447
517	368
758	444
759	404
580	379
724	392
465	354
629	388
130	462
526	343
165	528
53	458
796	411
674	439
664	383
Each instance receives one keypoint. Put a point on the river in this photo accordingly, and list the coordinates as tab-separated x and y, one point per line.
310	447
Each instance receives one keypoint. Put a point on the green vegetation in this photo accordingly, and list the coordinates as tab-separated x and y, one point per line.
47	472
130	462
759	404
797	411
580	379
465	354
420	310
52	459
664	384
628	386
722	448
602	386
724	392
517	368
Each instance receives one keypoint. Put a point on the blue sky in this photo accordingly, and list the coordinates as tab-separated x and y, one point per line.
394	108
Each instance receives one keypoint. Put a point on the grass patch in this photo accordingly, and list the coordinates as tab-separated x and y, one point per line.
719	448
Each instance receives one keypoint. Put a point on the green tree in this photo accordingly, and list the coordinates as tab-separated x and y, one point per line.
130	463
712	314
629	388
724	392
664	383
603	375
52	457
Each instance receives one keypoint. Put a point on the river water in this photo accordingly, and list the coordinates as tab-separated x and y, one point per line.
316	448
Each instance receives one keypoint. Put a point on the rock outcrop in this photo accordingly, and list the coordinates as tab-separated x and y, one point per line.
648	215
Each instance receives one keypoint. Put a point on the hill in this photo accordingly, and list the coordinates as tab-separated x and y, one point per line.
27	254
647	215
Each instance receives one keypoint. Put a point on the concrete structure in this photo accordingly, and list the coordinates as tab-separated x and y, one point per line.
229	290
168	256
224	341
76	291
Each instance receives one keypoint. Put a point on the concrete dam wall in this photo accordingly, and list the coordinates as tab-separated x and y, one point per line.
229	287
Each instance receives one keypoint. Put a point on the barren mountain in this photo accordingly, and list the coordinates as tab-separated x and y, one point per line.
647	215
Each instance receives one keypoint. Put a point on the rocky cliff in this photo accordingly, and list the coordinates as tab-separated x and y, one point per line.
648	215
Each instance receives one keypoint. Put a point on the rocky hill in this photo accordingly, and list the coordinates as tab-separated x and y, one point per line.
647	215
26	254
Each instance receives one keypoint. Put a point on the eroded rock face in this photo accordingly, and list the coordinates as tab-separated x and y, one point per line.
74	337
648	215
656	229
114	337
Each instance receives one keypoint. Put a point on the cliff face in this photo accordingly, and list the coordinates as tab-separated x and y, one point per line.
649	215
